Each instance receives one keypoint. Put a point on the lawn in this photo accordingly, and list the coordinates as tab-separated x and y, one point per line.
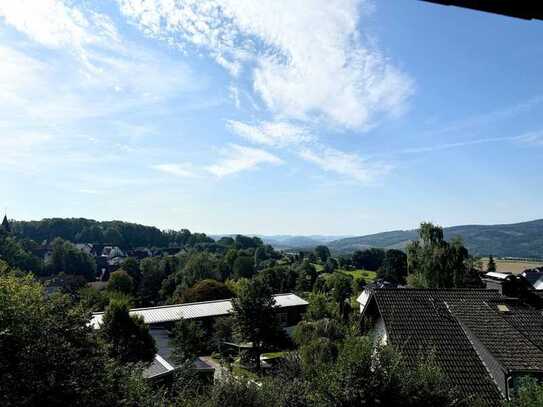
368	276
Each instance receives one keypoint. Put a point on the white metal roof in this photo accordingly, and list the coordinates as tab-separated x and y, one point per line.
501	276
169	313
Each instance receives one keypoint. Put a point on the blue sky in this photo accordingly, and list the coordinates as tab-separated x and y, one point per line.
241	116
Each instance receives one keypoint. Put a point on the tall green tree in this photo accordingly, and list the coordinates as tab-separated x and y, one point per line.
206	290
394	268
127	337
491	266
50	356
369	259
322	252
132	267
120	281
255	318
243	267
66	258
189	340
434	262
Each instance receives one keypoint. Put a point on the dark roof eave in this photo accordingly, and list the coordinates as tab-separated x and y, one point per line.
524	9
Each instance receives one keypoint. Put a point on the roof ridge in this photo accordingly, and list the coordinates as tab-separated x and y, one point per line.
189	303
436	289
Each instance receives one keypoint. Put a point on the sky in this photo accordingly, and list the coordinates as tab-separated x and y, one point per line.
342	117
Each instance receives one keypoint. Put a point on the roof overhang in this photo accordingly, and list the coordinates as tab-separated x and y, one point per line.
526	9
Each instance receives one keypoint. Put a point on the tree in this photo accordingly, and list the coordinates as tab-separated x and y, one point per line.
260	255
491	266
67	259
322	253
369	259
243	267
436	263
14	253
152	276
369	376
330	265
120	281
528	394
206	290
306	276
189	340
226	241
245	242
199	266
394	268
254	314
341	287
127	337
223	331
319	307
132	267
50	356
278	279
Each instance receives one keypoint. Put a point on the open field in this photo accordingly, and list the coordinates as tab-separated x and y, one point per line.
368	276
513	266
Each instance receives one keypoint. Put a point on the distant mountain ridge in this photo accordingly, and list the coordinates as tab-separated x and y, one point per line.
291	241
524	239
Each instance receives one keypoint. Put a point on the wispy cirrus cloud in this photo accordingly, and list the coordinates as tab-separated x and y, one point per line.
185	170
274	134
348	165
238	158
307	62
534	138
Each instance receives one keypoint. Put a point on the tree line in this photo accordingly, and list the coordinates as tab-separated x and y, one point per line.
117	233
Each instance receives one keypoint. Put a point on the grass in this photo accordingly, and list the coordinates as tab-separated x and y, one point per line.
368	276
318	267
239	371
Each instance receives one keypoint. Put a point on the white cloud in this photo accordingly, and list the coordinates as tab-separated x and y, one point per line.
348	165
55	24
179	170
86	70
534	138
275	134
240	158
308	58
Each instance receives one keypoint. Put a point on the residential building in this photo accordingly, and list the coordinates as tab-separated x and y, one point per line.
290	309
483	341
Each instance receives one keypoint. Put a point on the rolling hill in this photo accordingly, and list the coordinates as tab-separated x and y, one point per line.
523	239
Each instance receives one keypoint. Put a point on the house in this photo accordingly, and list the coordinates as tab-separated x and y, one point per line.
86	248
534	277
483	341
365	294
527	286
497	281
290	309
112	251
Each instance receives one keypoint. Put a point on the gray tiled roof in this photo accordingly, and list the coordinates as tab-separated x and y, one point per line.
511	347
419	321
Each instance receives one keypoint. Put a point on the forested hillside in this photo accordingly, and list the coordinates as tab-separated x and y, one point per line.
516	240
123	234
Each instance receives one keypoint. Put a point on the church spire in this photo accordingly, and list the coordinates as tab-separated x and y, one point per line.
5	224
